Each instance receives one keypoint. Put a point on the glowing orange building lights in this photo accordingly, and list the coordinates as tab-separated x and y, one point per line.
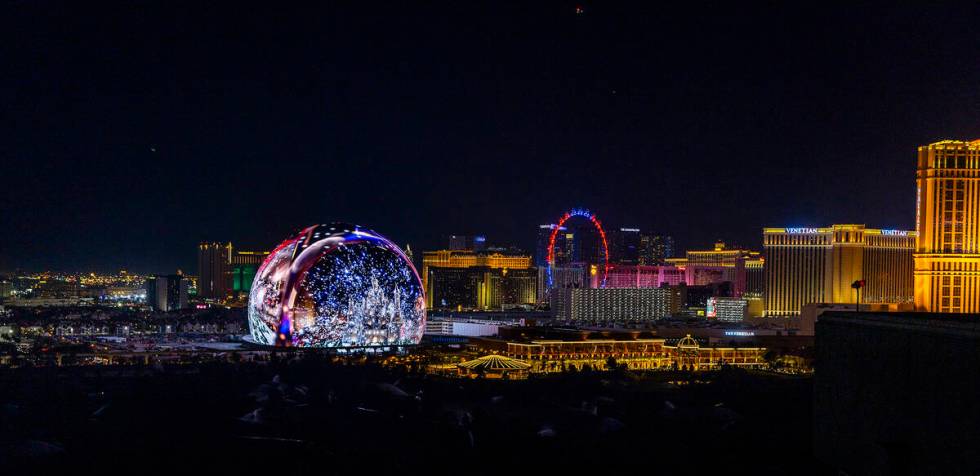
947	254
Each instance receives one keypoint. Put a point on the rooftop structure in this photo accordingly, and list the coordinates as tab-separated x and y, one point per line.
494	366
894	393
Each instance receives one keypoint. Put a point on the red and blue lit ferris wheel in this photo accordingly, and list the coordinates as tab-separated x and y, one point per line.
584	213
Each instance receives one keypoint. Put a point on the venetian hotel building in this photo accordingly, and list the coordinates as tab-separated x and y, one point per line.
947	255
818	265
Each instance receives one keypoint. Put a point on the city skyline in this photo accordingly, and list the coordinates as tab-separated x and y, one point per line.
602	237
449	122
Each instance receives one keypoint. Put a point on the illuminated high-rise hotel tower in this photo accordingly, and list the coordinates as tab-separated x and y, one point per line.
818	265
213	260
947	217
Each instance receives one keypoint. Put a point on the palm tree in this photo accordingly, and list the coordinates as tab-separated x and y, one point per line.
611	363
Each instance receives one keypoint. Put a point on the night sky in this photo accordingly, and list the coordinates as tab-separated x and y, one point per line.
135	130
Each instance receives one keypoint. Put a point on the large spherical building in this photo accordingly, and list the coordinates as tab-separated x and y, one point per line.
337	285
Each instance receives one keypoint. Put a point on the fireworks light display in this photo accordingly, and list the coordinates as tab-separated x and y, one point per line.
337	285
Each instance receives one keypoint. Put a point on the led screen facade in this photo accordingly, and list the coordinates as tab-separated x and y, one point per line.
337	285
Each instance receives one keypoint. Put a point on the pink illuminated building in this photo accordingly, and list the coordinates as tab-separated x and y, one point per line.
634	276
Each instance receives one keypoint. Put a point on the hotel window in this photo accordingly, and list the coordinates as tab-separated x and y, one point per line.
953	216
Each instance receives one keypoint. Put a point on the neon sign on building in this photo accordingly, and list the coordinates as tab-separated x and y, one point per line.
800	231
739	333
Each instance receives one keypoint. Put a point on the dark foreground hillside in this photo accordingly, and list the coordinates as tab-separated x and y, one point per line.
315	416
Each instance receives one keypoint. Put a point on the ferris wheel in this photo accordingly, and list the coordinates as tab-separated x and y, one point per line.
584	213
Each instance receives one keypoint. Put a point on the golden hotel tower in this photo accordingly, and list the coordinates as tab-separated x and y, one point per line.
947	217
818	265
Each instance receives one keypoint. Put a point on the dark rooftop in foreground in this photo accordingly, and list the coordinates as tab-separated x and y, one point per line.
895	393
